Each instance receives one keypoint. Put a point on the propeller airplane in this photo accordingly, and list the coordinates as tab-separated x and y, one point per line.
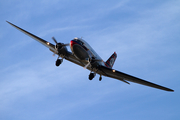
83	54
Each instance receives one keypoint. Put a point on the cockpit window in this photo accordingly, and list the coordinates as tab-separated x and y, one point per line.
80	42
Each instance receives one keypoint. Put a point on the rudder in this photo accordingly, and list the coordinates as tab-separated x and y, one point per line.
111	60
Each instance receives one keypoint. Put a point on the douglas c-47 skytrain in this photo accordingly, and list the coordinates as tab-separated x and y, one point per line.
82	54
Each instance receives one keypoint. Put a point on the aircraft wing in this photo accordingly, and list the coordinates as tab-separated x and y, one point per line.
47	44
70	57
125	77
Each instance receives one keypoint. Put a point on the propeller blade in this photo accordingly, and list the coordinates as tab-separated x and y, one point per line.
54	40
59	43
66	44
85	67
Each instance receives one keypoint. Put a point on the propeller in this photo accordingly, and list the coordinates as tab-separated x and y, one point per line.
58	45
90	62
55	40
85	67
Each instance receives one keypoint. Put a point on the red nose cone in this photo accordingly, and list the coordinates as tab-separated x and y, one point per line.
72	43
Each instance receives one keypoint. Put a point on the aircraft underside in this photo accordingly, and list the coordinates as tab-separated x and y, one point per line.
82	54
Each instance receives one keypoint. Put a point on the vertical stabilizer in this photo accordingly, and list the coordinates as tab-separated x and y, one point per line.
111	60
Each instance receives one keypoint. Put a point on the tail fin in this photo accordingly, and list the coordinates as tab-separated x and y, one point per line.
111	60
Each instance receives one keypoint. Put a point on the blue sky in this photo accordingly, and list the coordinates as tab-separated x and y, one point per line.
144	34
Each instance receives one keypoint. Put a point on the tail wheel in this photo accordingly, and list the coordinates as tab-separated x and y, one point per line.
100	78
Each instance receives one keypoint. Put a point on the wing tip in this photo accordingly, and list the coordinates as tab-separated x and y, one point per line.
170	90
11	23
167	89
8	22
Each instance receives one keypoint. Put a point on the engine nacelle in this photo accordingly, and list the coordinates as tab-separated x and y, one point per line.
61	48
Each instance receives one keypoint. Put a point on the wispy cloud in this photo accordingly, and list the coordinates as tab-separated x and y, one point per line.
144	35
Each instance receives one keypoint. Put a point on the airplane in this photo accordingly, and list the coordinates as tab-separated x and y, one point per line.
83	54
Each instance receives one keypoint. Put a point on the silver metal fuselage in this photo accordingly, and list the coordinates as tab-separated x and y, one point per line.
83	51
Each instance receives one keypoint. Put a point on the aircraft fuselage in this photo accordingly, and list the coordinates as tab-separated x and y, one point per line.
84	52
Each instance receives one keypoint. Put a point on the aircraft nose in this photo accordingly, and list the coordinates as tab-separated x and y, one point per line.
72	43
